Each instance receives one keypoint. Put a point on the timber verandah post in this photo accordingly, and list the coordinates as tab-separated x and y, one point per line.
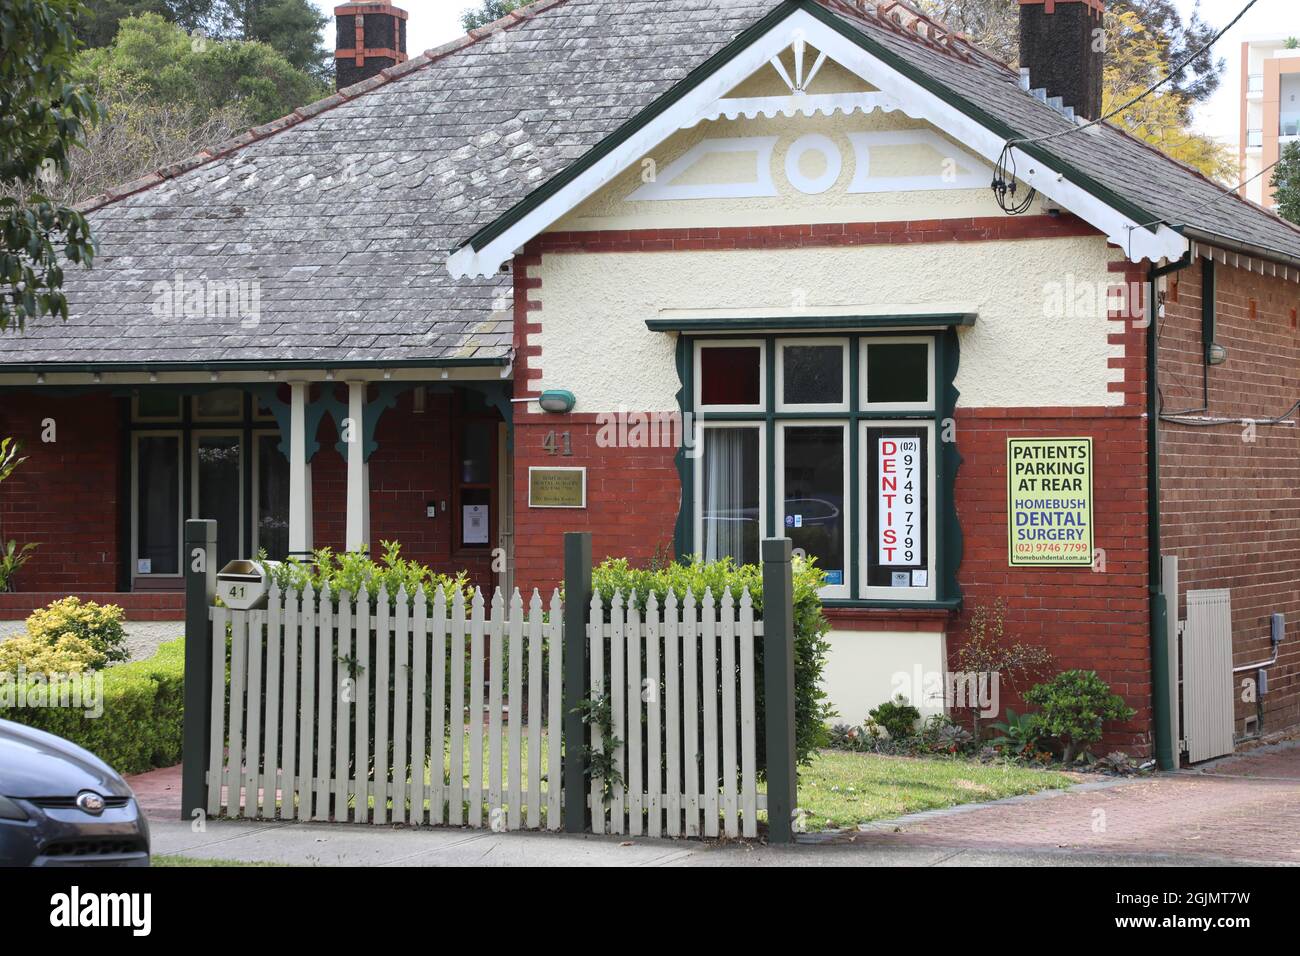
200	587
577	599
778	688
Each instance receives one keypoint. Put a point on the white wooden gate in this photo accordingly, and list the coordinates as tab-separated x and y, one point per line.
293	739
681	685
411	710
1207	675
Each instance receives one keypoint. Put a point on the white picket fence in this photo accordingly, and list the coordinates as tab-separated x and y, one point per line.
468	709
292	739
696	658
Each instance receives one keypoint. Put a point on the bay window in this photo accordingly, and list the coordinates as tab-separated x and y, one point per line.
831	442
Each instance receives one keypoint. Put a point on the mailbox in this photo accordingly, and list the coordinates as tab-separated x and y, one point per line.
243	585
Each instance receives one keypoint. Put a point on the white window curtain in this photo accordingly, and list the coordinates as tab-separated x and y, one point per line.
730	512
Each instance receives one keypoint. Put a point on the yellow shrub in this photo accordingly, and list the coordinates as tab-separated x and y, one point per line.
99	625
66	654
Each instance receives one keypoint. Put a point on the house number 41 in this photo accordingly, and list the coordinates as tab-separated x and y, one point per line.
563	445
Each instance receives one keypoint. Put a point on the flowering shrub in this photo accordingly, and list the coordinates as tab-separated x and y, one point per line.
66	654
98	632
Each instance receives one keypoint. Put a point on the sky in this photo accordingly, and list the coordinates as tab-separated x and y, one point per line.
434	22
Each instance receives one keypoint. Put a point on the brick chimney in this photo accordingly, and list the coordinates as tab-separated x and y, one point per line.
371	37
1061	48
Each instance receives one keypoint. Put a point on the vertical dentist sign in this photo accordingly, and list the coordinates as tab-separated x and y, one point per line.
1049	502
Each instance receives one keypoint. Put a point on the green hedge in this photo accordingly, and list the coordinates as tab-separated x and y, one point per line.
140	727
811	710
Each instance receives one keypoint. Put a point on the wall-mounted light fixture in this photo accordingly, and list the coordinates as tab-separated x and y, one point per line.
1216	354
557	401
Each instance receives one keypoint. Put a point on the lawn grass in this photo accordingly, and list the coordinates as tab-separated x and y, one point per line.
842	789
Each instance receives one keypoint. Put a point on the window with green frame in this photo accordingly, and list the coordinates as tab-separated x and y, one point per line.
829	440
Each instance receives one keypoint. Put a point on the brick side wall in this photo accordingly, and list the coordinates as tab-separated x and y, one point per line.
67	495
1230	498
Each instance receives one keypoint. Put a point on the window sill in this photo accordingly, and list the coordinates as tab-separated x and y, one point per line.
926	616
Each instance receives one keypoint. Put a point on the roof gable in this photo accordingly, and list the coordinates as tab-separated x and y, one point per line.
792	26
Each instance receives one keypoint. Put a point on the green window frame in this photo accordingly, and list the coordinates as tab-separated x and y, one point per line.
864	425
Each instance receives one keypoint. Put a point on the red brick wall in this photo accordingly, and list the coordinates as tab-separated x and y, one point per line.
1230	508
633	496
1096	620
66	496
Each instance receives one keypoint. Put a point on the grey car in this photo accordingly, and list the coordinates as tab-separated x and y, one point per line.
61	805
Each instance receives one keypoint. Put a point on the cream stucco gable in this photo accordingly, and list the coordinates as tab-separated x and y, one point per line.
854	167
793	52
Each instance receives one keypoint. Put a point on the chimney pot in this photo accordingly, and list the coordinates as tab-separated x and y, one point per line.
1059	46
371	36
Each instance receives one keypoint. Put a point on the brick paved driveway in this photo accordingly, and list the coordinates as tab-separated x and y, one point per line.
1243	808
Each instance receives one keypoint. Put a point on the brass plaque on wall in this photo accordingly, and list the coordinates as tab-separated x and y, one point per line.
557	487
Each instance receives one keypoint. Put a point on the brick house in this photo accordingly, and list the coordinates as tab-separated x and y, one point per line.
686	274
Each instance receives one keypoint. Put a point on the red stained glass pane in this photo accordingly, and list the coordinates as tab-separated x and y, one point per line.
731	375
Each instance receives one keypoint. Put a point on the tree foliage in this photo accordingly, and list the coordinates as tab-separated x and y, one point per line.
161	62
1135	58
290	27
487	11
1286	183
43	116
293	29
1145	39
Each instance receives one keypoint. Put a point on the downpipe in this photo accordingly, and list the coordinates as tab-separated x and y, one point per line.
1160	690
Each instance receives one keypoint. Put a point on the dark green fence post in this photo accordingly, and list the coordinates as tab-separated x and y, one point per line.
778	688
200	557
577	601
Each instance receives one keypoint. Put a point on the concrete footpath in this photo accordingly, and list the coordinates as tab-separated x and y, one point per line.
318	844
1241	810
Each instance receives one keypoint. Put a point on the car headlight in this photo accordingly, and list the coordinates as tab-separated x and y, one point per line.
10	810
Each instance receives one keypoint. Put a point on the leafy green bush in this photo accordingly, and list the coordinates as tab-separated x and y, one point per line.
898	717
12	559
143	713
99	625
1018	734
1074	706
353	569
810	627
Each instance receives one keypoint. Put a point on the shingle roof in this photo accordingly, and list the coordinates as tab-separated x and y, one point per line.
344	214
345	218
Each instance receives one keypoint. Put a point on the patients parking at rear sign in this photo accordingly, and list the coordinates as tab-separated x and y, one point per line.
1049	502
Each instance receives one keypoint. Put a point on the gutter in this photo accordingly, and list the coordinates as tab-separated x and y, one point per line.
252	365
1161	691
1239	246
